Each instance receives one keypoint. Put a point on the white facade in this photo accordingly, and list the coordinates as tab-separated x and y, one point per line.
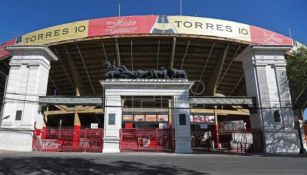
265	75
27	80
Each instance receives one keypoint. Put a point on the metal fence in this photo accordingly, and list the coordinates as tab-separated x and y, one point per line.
62	140
238	141
147	139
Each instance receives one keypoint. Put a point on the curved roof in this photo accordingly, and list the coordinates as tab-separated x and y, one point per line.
151	25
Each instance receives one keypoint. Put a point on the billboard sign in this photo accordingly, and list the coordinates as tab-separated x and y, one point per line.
121	25
138	25
210	27
58	33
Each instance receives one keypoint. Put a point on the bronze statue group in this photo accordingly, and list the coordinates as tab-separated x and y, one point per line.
113	71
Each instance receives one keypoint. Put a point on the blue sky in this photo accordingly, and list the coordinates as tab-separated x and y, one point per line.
22	16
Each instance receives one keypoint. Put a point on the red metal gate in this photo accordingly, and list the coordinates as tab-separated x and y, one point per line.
147	139
61	140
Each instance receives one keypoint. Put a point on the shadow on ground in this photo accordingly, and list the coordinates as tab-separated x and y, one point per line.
76	166
294	155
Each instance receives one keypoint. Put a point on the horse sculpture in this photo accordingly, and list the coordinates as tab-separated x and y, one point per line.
175	73
126	73
112	71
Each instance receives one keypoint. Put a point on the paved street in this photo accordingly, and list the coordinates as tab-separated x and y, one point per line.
148	163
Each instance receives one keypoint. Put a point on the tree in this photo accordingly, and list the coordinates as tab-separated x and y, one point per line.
297	74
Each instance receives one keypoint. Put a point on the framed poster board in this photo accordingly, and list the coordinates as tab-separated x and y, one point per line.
139	118
162	118
151	118
128	118
94	125
206	118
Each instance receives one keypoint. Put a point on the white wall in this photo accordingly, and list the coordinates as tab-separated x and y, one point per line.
266	79
27	80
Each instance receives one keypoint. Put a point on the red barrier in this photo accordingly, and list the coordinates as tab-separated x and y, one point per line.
76	136
129	140
65	140
147	139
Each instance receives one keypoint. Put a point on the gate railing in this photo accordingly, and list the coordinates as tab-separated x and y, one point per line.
147	139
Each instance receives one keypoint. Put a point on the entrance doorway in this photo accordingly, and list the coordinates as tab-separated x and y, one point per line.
146	124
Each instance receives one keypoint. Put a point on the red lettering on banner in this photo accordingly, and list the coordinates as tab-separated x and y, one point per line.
121	25
266	37
4	53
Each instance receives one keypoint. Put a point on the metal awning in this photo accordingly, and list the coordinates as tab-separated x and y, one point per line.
250	101
58	100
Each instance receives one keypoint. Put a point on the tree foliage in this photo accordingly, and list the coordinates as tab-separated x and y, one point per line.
297	74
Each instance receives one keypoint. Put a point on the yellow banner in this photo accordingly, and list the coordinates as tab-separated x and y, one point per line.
210	27
63	32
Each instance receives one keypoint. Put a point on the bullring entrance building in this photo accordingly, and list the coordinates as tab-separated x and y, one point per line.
147	83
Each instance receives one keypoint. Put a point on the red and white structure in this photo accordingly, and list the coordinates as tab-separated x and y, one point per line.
54	82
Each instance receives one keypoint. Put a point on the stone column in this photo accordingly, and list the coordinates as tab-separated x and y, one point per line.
266	79
181	122
112	122
27	80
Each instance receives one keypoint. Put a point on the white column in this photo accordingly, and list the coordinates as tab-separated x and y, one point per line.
112	122
181	122
266	79
27	80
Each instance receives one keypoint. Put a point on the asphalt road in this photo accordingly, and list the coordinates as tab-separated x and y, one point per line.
148	163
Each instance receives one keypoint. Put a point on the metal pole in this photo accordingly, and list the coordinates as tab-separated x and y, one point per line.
180	7
118	9
60	128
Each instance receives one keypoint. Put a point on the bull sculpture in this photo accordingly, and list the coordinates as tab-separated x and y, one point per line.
113	71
